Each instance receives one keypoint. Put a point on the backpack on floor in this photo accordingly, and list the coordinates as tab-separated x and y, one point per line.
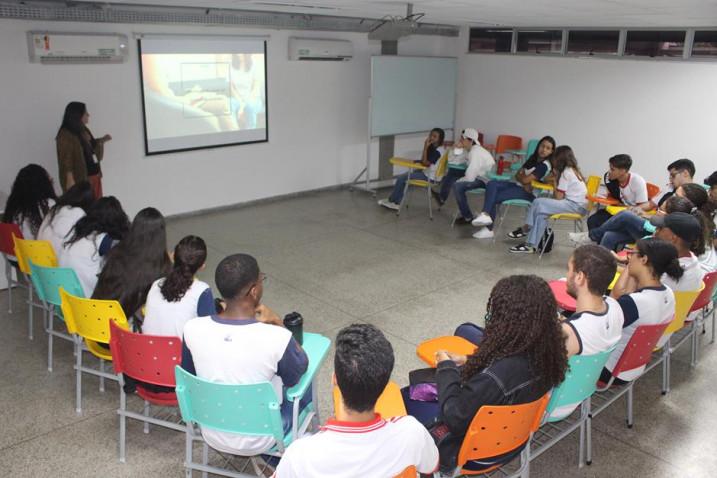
546	241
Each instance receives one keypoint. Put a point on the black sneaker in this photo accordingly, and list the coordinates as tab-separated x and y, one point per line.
462	221
517	234
437	197
522	249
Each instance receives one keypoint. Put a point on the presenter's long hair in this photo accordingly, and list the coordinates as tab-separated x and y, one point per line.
136	262
72	119
29	197
522	319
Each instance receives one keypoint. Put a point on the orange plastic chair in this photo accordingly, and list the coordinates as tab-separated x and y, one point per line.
426	351
42	254
410	472
496	430
504	143
89	320
390	403
652	190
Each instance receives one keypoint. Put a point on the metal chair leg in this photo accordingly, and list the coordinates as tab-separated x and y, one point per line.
430	202
50	335
8	277
78	376
102	378
205	457
404	199
188	459
123	423
146	414
629	405
30	312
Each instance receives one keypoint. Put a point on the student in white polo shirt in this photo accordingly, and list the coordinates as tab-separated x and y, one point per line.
245	344
61	218
358	442
622	184
596	325
684	231
174	300
643	298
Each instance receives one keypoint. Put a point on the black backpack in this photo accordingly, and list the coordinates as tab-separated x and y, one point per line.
546	241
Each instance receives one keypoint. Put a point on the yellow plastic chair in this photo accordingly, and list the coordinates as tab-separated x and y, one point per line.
593	183
88	320
420	183
390	403
40	253
676	333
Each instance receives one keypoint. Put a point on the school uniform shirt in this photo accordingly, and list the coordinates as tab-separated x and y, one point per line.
572	186
457	156
648	306
480	161
168	318
539	170
663	195
377	449
596	333
87	257
708	260
433	155
58	229
241	352
691	279
634	191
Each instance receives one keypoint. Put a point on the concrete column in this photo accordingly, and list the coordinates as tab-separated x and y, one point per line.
386	143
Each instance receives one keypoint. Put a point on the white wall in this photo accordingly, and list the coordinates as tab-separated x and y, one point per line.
317	129
656	111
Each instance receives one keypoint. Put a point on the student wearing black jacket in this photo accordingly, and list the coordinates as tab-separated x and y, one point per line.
521	357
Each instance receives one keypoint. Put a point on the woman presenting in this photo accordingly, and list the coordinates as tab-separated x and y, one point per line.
78	152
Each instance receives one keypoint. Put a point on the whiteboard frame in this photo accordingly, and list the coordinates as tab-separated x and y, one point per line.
369	136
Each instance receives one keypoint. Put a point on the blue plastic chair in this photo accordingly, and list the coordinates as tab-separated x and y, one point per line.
47	282
247	409
579	384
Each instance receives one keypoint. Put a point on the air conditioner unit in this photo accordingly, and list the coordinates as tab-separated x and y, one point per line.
320	49
83	48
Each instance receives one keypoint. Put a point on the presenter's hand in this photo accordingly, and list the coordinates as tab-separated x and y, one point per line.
105	138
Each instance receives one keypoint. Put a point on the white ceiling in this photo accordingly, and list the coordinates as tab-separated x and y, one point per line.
562	13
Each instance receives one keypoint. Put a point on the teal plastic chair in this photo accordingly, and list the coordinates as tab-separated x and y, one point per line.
502	212
247	409
577	388
47	282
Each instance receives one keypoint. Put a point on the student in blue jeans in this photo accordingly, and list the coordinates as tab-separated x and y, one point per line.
535	168
432	152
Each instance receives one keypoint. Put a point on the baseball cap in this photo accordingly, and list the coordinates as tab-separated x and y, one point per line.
471	133
683	225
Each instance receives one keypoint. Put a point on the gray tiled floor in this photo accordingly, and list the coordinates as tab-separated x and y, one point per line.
338	258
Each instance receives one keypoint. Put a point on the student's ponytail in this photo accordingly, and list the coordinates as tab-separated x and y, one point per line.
661	256
189	255
703	211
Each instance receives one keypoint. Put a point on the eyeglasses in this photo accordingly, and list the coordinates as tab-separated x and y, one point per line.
262	279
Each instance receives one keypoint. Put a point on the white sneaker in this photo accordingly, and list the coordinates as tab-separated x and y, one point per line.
483	219
580	238
484	233
388	204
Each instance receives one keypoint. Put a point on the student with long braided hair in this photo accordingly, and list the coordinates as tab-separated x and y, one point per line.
179	297
522	356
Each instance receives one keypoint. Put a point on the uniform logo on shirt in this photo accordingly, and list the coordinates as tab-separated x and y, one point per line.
228	338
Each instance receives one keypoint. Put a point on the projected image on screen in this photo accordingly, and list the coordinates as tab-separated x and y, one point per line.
203	93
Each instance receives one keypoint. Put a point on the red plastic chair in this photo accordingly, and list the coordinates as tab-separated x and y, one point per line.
637	354
7	249
652	190
701	303
560	292
150	359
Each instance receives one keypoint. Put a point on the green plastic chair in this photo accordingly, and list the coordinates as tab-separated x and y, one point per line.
247	409
47	282
579	384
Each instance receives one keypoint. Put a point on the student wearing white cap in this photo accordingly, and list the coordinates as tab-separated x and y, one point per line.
464	152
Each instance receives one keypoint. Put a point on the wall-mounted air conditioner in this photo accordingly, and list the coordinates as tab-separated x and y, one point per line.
320	49
83	48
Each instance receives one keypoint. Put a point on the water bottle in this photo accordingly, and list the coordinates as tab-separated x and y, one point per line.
295	323
501	166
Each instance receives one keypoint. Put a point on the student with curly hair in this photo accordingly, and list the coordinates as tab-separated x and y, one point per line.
179	297
521	357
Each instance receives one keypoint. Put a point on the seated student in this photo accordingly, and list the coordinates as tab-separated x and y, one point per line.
459	155
596	325
135	263
358	442
622	184
520	358
569	197
179	297
643	298
69	208
480	161
245	344
708	260
681	172
627	226
432	152
536	168
31	197
684	231
92	238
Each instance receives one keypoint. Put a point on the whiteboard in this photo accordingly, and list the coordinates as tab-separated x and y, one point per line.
412	94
